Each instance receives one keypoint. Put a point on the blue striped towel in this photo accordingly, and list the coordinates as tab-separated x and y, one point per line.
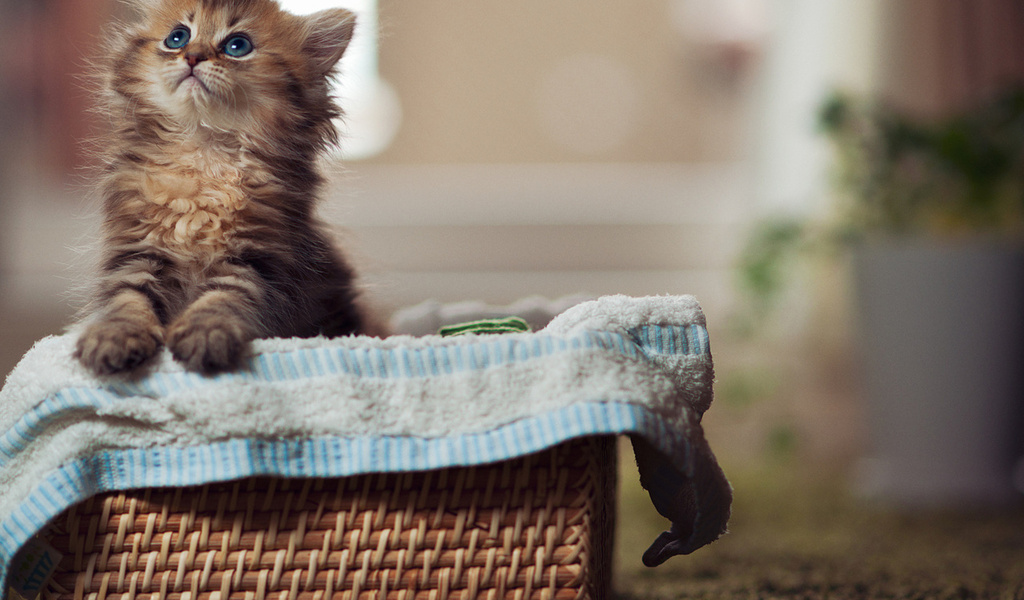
346	406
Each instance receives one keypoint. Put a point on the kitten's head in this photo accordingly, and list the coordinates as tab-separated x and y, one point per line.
239	65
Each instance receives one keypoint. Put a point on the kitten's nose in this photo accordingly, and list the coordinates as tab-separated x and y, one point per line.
194	58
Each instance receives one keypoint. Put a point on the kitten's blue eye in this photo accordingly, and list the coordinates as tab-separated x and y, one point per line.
178	38
237	46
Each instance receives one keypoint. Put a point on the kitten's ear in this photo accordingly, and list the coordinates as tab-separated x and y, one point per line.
328	34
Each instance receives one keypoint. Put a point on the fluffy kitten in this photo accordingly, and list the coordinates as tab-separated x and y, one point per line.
219	110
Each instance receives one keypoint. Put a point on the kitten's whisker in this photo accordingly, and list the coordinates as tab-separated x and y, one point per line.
245	96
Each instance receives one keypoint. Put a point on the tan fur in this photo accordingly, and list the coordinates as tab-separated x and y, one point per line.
189	204
209	234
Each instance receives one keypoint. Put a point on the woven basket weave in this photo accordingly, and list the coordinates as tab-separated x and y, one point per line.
538	527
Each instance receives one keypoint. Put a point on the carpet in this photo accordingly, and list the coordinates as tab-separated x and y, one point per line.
800	534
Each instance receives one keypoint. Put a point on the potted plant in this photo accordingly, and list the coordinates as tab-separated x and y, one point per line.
934	215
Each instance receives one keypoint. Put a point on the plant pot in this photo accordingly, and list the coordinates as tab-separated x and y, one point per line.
942	332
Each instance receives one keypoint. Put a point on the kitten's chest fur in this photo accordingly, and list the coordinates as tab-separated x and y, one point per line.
194	198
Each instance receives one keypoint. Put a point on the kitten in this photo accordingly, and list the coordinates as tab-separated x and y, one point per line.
219	110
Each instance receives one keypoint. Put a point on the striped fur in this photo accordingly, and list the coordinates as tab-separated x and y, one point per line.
210	182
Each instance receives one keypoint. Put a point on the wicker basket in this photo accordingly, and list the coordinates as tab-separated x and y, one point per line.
538	527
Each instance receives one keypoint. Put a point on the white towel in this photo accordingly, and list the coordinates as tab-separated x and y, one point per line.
345	406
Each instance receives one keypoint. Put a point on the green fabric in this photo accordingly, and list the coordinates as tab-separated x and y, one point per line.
504	325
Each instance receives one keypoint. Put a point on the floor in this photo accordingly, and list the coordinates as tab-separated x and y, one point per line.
805	536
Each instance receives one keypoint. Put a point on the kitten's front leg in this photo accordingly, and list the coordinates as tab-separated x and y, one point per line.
124	336
212	335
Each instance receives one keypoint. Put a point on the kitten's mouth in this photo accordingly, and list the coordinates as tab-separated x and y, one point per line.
192	80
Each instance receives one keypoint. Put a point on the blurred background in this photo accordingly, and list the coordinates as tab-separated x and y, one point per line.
495	151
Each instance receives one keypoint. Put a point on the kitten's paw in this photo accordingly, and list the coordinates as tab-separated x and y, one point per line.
208	345
116	346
